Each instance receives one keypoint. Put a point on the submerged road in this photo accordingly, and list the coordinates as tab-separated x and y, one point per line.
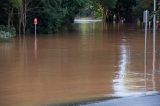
92	62
131	101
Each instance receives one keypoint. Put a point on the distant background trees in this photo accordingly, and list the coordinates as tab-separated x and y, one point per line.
141	6
55	15
52	14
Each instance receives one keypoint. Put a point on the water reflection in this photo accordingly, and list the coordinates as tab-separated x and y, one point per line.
35	47
120	82
88	28
154	68
131	81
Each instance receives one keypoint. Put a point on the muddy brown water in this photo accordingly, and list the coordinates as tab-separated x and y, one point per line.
94	61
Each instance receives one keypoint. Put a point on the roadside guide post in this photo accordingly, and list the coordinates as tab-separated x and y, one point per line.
145	20
154	45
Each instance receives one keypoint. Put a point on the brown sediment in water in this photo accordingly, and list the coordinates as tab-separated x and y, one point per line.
94	62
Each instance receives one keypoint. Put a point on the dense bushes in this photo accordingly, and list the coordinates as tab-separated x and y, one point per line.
7	32
53	15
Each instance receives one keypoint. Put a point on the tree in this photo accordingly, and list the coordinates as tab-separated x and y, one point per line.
6	11
60	13
52	14
124	9
107	6
23	7
17	5
142	5
91	9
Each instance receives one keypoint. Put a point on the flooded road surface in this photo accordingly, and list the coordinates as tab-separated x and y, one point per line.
95	61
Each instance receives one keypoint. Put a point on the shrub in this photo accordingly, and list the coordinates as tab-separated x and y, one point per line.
7	32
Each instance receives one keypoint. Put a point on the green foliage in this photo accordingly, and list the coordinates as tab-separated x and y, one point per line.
141	6
59	13
108	4
7	32
91	9
4	8
124	9
16	3
53	15
56	15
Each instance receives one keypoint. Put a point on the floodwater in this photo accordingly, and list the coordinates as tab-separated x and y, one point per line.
94	61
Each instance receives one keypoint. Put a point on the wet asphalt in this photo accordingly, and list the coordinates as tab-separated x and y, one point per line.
130	101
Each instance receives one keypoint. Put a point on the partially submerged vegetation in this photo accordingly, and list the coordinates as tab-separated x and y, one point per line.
7	32
54	15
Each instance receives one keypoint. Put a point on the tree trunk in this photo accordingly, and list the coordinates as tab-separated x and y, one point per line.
25	17
20	24
23	23
20	15
19	27
104	14
23	9
10	17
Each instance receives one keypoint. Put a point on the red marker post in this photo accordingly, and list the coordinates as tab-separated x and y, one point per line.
35	23
35	41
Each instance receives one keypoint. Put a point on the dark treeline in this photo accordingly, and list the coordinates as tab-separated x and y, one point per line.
126	10
55	15
52	15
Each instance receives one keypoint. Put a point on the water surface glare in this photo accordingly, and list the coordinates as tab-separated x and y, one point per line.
95	61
